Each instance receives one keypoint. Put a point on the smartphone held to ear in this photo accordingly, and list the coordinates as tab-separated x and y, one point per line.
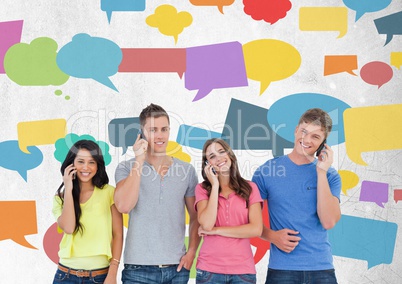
321	147
142	136
213	170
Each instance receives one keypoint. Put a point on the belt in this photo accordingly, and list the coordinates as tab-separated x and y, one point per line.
82	272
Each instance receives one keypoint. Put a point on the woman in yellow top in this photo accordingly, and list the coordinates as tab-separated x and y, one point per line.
93	228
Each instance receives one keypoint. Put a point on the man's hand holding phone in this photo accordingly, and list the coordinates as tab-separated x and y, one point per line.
140	146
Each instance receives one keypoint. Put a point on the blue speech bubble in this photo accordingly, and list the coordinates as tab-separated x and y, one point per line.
390	25
12	158
285	113
246	128
110	6
90	57
362	7
194	137
364	239
63	145
123	132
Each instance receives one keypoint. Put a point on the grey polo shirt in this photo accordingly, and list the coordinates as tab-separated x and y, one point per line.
156	228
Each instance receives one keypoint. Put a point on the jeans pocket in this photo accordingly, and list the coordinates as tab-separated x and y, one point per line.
99	278
248	278
203	276
60	276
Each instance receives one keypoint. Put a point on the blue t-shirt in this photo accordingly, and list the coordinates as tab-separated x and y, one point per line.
291	191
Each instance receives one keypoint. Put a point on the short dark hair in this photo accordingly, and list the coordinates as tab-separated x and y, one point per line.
152	110
317	116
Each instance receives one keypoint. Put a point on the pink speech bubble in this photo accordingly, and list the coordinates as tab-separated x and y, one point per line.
376	73
51	242
397	195
10	34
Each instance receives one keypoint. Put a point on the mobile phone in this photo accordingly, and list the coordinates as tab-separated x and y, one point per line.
213	170
74	175
321	147
142	136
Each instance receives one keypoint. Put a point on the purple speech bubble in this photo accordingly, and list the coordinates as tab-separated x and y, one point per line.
376	192
10	34
215	66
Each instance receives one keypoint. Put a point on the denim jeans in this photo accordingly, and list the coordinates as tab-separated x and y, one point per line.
66	278
217	278
300	277
149	274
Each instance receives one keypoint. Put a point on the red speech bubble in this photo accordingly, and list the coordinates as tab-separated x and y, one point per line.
261	245
268	10
334	64
376	73
397	195
153	60
18	219
51	242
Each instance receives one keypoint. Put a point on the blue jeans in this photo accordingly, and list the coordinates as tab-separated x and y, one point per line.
150	274
66	278
300	277
217	278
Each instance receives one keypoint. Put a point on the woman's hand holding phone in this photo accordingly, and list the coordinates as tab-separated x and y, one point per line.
70	173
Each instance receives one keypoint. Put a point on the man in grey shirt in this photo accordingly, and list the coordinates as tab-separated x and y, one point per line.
154	189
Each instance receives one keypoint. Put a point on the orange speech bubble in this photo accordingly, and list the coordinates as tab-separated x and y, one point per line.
40	132
397	195
334	64
218	3
18	219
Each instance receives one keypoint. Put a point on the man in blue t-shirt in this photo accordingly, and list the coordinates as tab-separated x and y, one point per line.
303	203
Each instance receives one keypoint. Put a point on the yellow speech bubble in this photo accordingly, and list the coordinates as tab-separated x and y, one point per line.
324	19
373	128
40	132
174	149
18	219
270	60
396	59
349	180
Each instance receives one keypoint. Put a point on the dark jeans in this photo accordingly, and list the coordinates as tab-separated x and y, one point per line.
217	278
300	277
149	274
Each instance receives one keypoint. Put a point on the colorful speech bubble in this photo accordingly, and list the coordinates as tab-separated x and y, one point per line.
168	21
34	64
376	192
268	10
372	129
397	195
295	105
110	6
246	128
174	149
40	132
194	137
376	73
334	64
261	245
10	34
269	60
365	239
12	158
18	219
153	60
390	25
349	180
324	19
90	57
51	242
362	7
215	66
396	59
217	3
123	132
64	144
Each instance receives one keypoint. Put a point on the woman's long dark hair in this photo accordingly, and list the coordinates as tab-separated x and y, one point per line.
100	179
236	181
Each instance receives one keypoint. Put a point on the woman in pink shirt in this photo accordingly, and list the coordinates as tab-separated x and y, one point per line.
229	213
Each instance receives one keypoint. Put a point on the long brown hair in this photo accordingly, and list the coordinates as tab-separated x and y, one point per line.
236	182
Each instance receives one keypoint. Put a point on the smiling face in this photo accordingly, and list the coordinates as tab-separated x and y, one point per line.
156	131
218	157
86	166
308	137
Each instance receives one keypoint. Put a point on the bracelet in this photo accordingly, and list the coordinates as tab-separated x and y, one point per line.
118	261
